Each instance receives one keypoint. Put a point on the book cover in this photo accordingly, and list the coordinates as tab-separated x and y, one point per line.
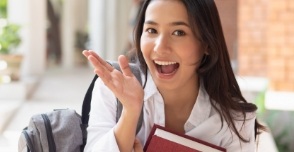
163	139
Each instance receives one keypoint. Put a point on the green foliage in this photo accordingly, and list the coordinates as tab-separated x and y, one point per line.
259	101
280	124
9	38
3	8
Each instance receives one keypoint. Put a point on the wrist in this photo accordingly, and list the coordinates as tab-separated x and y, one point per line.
125	129
133	108
132	113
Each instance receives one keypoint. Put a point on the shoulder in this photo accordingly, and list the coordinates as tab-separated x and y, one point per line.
101	92
246	116
241	120
245	125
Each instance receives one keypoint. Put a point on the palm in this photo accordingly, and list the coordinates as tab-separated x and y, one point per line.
126	88
123	84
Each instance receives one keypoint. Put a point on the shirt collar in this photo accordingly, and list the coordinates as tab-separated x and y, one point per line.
201	109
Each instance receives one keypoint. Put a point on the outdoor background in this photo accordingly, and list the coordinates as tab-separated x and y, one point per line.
42	68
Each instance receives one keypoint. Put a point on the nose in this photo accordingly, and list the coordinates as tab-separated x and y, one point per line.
162	44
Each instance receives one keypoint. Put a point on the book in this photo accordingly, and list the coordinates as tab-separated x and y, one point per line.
165	140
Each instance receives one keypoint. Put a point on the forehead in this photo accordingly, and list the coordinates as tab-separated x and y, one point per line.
166	9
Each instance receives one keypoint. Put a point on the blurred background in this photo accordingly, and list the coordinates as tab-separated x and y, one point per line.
42	68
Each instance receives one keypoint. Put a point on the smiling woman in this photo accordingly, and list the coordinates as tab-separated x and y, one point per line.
167	38
189	85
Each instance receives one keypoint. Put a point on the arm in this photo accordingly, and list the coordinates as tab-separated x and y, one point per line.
128	90
102	120
138	147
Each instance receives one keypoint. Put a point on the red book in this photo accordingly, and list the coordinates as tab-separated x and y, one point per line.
165	140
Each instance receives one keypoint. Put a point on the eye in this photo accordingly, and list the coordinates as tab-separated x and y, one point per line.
151	30
179	33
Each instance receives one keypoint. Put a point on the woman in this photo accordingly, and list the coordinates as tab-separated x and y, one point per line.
189	85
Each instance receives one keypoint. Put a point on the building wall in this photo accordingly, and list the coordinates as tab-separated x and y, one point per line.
280	52
252	37
266	41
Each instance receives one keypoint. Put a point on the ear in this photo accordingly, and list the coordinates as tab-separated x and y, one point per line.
205	47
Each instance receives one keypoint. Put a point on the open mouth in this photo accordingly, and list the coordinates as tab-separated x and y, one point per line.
166	67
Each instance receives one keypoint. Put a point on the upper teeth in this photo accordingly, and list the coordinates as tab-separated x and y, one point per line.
164	62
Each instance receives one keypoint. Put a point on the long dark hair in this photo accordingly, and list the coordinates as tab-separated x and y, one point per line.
215	71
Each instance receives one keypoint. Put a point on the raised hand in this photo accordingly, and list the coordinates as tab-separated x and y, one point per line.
123	84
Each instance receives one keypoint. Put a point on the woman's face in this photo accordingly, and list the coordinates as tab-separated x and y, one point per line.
171	50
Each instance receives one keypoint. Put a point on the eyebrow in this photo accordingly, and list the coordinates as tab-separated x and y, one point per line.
173	23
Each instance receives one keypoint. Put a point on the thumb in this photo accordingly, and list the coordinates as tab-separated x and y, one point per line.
124	65
138	146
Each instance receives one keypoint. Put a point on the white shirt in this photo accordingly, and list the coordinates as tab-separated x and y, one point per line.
203	123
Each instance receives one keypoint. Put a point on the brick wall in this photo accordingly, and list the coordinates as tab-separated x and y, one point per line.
280	55
266	41
252	57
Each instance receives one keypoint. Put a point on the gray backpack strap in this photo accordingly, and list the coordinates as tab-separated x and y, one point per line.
136	71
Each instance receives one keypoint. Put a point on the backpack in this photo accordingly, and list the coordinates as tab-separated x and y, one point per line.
64	130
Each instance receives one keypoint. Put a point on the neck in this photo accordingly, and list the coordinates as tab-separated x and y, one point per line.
178	105
181	97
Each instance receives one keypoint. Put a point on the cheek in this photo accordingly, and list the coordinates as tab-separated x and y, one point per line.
193	51
143	48
193	55
142	44
146	46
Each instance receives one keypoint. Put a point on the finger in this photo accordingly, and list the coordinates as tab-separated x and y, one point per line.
138	146
101	71
95	62
100	68
86	53
124	65
102	61
106	79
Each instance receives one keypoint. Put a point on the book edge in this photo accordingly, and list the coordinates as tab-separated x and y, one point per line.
152	132
184	141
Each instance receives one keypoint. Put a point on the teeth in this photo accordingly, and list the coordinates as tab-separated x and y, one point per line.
164	62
